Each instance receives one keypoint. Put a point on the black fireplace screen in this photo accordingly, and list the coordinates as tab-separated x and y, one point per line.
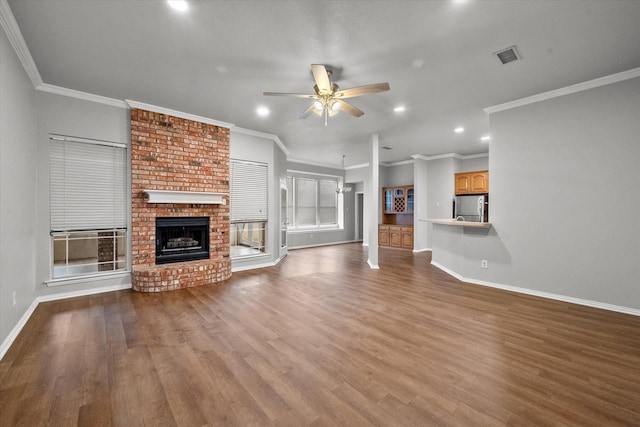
182	239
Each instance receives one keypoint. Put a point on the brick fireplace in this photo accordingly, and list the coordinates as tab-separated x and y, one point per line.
172	154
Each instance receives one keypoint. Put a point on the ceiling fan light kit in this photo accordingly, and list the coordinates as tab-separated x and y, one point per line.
328	96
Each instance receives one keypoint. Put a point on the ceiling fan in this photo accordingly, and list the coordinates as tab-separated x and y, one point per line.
328	98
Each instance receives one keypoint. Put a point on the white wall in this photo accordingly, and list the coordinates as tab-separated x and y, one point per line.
421	206
396	175
564	198
474	163
18	189
440	189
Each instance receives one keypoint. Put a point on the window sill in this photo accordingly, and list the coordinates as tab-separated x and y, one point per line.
313	230
251	256
124	274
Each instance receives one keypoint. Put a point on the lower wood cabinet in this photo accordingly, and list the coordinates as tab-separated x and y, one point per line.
395	236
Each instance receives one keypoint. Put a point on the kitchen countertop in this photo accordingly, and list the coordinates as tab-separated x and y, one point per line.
451	221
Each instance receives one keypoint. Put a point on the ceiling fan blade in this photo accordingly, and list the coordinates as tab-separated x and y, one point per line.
349	109
322	78
307	112
362	90
295	95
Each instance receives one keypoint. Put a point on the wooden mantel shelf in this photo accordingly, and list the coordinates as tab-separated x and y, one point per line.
187	197
450	221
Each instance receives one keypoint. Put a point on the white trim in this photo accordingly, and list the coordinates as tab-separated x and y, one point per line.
313	174
6	344
323	244
548	295
265	135
72	93
373	266
475	156
12	30
415	251
362	165
579	87
449	155
322	165
188	197
255	266
175	113
74	280
400	163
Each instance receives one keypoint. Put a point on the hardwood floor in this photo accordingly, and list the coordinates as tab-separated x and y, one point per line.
321	339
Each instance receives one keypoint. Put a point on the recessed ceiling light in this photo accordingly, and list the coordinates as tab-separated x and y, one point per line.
180	5
399	109
485	138
459	129
262	111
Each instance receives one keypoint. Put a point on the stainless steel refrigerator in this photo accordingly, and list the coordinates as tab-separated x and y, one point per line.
473	207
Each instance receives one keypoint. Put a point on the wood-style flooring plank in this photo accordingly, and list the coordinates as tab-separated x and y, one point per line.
322	340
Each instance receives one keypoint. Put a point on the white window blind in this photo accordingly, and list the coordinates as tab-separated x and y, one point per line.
328	202
87	184
306	199
248	195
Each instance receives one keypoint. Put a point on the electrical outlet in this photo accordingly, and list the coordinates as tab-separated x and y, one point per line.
484	263
14	298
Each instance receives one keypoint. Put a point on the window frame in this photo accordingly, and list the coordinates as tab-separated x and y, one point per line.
249	223
64	233
292	205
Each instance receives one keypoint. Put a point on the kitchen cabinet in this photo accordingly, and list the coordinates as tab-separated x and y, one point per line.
407	237
395	236
475	182
383	235
398	200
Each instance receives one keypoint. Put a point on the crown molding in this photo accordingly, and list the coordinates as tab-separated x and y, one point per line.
439	156
11	29
175	113
579	87
362	165
259	134
450	156
400	163
322	165
72	93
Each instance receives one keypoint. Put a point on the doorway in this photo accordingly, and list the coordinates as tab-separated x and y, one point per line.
359	216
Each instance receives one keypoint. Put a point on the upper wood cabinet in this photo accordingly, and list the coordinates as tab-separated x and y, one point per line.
398	199
472	182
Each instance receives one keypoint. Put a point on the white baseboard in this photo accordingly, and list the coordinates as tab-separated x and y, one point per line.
373	266
557	297
324	244
6	344
415	251
254	266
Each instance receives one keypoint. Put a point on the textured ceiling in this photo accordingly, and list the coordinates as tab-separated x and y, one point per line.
216	59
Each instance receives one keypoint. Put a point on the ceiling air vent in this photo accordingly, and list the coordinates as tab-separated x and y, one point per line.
507	55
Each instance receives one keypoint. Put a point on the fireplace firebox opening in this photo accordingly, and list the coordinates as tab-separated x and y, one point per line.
181	239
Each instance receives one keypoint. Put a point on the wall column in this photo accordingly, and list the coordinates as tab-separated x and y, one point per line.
373	204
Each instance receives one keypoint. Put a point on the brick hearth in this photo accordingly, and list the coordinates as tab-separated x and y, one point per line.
171	153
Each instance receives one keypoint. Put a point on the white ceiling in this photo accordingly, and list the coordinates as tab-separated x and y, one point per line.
216	59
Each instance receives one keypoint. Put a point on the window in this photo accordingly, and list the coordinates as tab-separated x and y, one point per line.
248	208
312	201
88	206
